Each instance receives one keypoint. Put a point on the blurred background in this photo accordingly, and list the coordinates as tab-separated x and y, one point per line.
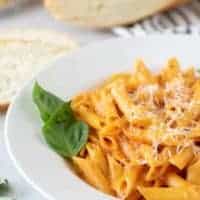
31	14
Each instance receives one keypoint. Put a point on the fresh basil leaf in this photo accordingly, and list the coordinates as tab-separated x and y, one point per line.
46	102
4	189
76	137
3	182
64	133
3	185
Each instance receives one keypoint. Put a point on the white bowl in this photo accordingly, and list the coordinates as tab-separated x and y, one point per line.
38	164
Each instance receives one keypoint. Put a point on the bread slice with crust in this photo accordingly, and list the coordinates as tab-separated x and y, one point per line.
23	53
107	13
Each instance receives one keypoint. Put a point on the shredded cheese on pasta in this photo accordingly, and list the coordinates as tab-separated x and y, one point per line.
145	130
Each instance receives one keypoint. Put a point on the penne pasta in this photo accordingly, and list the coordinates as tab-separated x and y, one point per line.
144	139
182	159
170	193
93	174
193	173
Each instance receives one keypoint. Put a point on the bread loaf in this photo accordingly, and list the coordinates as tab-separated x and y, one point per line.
107	13
23	53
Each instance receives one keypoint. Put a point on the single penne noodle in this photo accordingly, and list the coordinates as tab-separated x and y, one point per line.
91	117
171	70
170	193
182	159
142	73
109	143
174	180
193	173
96	155
93	174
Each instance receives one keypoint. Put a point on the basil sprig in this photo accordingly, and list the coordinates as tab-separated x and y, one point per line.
4	190
62	131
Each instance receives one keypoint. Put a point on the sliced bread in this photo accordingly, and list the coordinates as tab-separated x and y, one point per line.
23	53
107	13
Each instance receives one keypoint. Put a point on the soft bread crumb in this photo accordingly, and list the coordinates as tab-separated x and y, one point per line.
23	54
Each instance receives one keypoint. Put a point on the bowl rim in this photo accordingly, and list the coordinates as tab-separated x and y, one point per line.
50	65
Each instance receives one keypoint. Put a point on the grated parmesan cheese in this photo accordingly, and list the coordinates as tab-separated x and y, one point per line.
168	123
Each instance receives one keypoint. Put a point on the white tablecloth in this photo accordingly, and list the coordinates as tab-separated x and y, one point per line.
35	16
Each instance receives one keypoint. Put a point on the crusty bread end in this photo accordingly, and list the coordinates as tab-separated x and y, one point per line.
102	14
4	107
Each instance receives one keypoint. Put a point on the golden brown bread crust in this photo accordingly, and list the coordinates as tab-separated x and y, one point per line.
4	107
54	7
